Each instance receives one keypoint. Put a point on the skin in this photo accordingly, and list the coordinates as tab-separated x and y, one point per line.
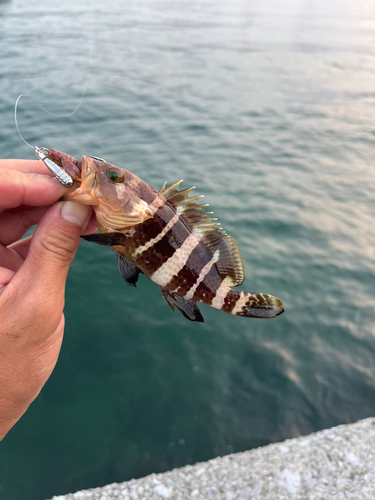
33	273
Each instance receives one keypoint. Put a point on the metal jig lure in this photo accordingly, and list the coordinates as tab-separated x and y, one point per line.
57	171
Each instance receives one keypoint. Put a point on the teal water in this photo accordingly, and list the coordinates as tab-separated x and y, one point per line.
269	109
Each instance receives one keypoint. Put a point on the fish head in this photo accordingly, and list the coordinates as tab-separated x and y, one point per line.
105	186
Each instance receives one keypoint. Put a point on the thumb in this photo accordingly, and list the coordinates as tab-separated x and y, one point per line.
54	245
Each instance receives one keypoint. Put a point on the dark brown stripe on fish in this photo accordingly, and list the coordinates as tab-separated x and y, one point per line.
198	258
183	281
203	294
152	227
155	256
189	274
206	290
230	300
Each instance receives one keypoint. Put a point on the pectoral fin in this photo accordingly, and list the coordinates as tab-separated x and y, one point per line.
129	273
106	239
188	308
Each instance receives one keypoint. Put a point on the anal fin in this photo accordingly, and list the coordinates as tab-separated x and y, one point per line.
188	308
128	271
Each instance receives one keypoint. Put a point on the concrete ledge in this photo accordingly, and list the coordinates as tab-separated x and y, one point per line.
334	464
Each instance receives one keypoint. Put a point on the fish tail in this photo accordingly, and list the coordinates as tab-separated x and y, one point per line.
248	304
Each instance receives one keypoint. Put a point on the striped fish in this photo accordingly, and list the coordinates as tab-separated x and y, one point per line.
166	236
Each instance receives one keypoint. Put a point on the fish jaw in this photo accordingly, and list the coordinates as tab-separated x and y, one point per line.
88	191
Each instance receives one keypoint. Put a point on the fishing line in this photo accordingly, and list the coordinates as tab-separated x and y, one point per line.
45	110
87	78
15	119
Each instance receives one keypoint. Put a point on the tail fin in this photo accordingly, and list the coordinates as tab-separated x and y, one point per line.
252	305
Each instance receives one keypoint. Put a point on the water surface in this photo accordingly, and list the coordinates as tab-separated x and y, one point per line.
269	110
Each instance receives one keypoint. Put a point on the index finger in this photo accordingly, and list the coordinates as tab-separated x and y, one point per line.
18	188
26	166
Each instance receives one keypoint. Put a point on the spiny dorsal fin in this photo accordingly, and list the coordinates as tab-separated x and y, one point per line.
180	199
171	190
207	230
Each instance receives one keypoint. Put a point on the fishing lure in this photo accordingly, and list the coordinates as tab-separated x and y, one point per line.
163	234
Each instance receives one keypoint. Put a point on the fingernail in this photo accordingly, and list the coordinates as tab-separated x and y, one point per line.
76	213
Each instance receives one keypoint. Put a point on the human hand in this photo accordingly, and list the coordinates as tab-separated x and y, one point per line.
33	272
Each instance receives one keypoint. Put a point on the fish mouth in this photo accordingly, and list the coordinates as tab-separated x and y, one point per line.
90	175
87	192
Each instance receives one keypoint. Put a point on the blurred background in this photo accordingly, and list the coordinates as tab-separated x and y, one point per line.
268	108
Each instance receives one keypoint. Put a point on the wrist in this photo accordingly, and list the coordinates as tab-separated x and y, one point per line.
11	410
21	380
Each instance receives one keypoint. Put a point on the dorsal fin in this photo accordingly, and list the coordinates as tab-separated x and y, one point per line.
207	230
229	259
171	190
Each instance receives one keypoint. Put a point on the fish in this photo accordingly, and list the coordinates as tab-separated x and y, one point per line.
167	236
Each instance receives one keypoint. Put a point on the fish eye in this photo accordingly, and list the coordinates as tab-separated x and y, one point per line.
115	176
